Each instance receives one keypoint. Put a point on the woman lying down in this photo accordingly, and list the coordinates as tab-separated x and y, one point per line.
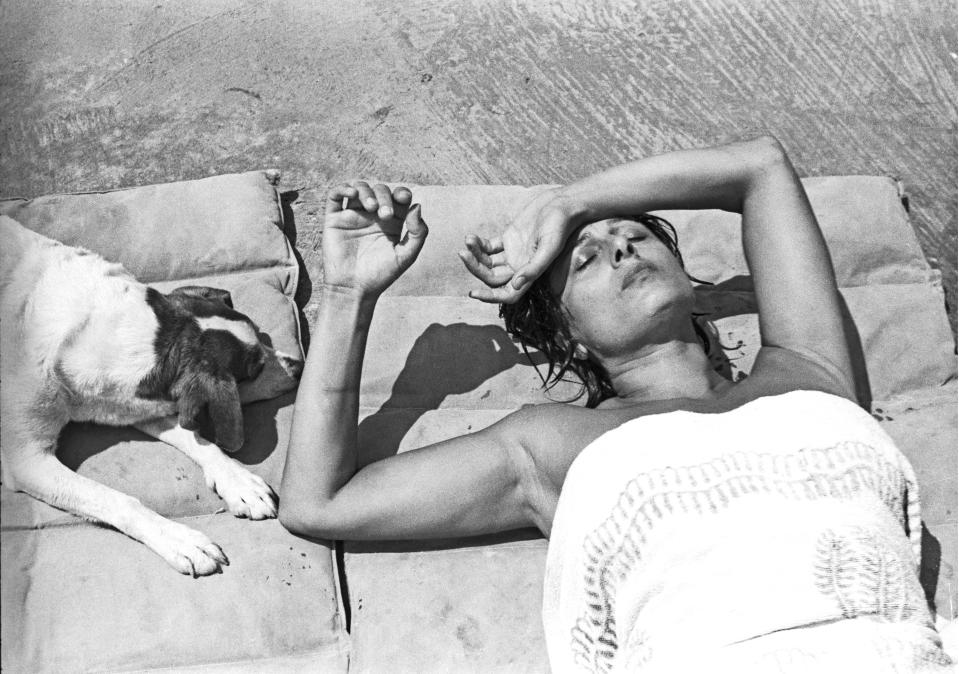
695	524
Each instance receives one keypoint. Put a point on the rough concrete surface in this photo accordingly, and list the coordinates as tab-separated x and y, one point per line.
107	94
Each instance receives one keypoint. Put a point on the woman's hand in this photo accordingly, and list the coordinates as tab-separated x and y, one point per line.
365	247
509	264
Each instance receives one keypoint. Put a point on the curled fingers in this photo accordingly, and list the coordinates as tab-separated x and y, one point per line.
338	198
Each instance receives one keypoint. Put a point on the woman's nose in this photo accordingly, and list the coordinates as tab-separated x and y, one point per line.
620	249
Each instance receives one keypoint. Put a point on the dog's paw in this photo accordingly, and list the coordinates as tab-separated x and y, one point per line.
187	550
245	494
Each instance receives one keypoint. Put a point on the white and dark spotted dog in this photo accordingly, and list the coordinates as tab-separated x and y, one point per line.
82	340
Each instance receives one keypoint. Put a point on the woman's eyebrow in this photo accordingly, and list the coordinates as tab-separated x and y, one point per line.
628	225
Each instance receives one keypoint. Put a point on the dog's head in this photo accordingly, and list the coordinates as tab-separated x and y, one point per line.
212	358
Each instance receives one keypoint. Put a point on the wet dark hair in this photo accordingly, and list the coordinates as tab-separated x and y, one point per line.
539	320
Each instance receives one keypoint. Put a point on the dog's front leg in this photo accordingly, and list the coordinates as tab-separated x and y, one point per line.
41	475
245	494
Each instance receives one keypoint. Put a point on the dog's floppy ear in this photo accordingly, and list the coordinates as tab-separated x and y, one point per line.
206	293
217	392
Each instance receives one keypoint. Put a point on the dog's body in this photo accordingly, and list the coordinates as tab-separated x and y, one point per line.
82	340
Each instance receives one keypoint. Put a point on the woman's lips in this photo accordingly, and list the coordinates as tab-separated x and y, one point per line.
634	273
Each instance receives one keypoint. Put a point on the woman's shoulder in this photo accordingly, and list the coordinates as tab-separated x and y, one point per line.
556	425
567	421
552	435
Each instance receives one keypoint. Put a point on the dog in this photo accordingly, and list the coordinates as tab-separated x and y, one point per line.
82	340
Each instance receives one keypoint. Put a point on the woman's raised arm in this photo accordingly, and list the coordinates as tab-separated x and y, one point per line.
472	484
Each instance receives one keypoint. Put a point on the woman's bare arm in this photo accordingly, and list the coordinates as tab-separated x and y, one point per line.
468	485
800	308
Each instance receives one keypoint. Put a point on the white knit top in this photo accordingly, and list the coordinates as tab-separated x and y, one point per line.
782	536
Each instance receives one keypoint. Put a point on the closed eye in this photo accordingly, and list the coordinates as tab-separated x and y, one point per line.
584	261
253	362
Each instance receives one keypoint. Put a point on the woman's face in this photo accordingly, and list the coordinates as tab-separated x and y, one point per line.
622	288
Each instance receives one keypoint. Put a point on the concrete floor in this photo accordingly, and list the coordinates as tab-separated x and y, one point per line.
104	94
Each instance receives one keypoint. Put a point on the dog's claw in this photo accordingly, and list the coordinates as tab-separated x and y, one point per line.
185	566
216	552
247	495
186	550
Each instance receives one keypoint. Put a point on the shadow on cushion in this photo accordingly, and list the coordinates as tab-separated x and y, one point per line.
444	360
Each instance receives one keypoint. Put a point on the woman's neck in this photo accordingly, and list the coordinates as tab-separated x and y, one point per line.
677	369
